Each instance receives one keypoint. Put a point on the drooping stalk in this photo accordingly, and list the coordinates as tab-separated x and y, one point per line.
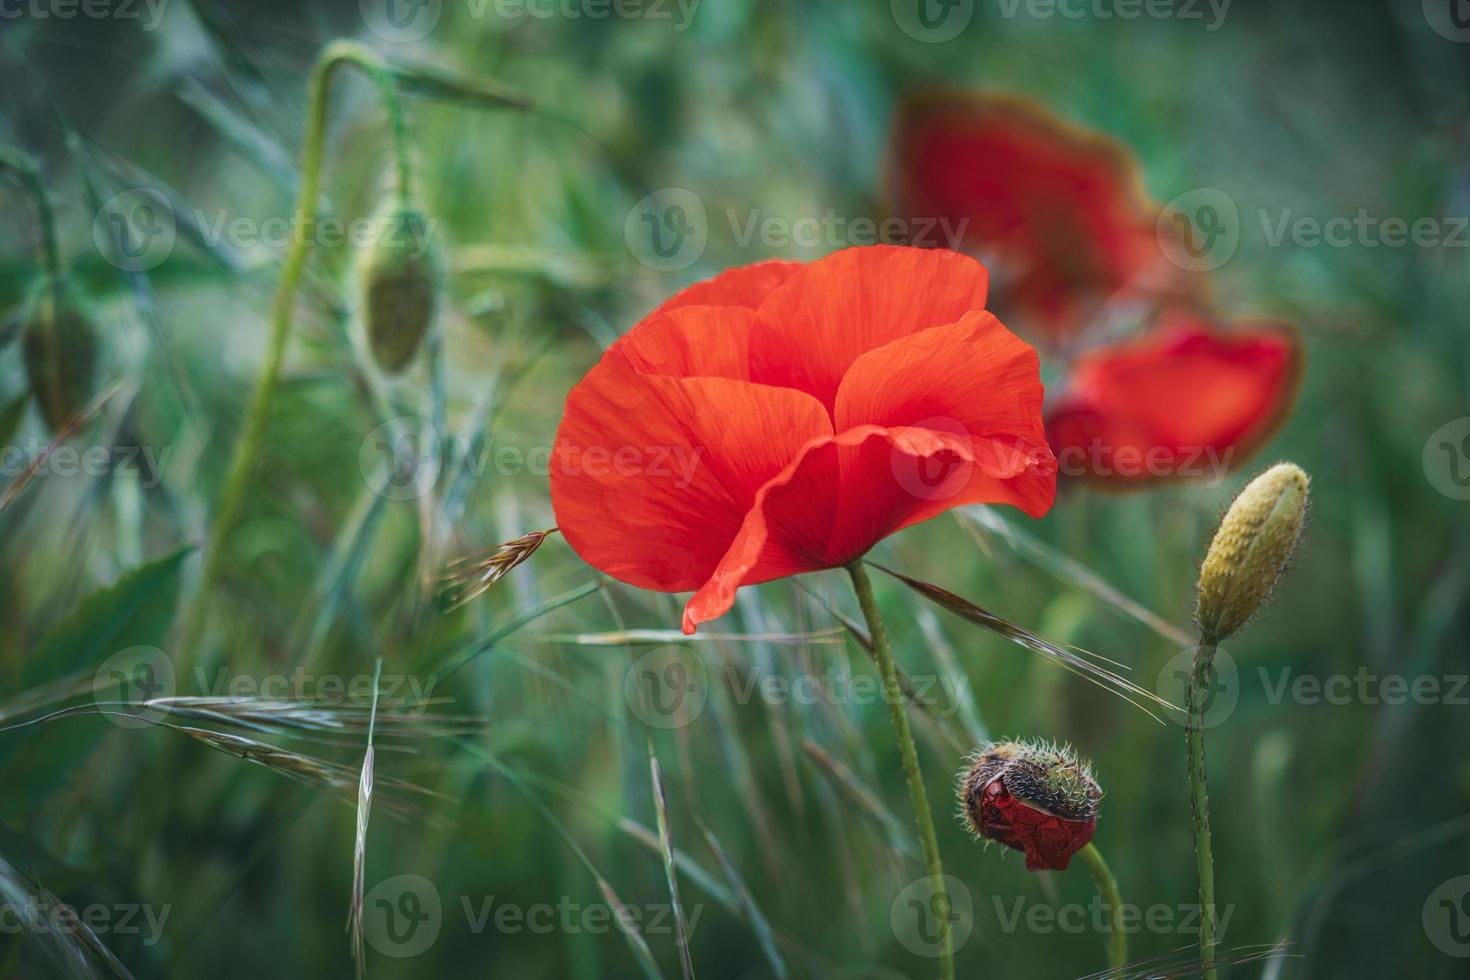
1199	802
29	175
908	752
237	480
1107	888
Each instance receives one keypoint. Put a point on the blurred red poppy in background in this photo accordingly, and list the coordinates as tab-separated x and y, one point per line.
1185	400
784	417
1059	213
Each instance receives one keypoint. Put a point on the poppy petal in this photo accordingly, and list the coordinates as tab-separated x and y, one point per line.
793	525
744	286
652	476
1185	400
811	329
692	342
974	372
1059	209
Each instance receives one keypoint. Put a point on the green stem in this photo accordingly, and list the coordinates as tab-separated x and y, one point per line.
25	169
1107	887
908	752
237	480
1199	803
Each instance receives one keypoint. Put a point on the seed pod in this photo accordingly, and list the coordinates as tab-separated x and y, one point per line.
1251	549
402	279
60	353
1035	798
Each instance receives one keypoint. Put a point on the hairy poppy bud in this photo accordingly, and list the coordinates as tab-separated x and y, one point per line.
60	354
1251	549
402	278
1035	798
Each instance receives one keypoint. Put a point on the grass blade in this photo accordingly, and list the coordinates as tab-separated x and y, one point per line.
1082	667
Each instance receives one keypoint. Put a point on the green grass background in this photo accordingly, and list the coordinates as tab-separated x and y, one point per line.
1333	822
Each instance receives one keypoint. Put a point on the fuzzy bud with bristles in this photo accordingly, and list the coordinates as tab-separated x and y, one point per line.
402	280
1255	541
60	354
1038	799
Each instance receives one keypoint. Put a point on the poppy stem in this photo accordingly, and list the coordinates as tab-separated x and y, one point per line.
1199	803
28	174
237	479
1107	888
909	753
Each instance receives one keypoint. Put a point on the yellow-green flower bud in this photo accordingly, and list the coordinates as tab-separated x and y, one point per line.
1251	549
60	347
402	278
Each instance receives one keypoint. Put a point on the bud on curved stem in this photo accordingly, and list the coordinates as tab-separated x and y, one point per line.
333	56
1250	550
60	341
402	282
60	348
25	170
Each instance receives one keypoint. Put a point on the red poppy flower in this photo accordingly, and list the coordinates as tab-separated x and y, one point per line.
1059	210
1185	399
783	418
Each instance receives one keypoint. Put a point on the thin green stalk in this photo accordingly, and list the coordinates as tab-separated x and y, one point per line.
237	480
25	169
909	753
1107	888
1199	803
